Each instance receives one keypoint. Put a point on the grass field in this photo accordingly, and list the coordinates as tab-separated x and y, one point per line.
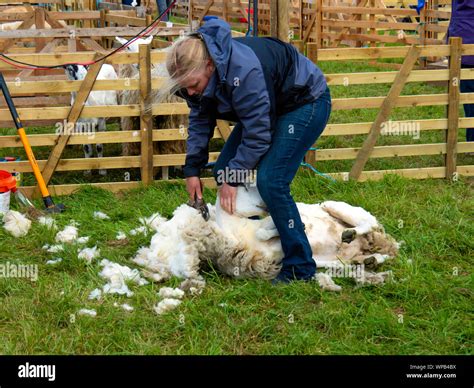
427	309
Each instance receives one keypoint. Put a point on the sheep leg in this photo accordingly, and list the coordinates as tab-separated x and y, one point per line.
100	147
348	235
87	154
165	173
267	230
361	220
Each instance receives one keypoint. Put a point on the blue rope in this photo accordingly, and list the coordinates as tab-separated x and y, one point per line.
304	164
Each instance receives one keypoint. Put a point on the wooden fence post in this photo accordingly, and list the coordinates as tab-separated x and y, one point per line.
312	52
274	19
224	129
87	7
146	118
358	17
384	112
224	11
103	23
319	24
299	45
300	19
190	14
435	7
423	33
453	106
40	25
283	20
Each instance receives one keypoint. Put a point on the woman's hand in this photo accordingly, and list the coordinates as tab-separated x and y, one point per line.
228	195
194	187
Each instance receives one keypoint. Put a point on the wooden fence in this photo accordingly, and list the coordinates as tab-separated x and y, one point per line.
147	160
332	22
41	28
42	31
329	23
371	22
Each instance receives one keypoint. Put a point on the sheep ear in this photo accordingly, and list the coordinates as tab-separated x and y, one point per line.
121	40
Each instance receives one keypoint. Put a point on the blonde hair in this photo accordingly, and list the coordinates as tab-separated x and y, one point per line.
186	56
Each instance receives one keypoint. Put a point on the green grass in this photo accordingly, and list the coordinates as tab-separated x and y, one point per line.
426	310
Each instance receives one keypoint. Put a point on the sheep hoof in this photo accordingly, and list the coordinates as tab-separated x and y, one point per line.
348	235
370	263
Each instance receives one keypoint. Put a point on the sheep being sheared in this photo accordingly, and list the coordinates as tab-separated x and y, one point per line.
241	247
99	97
160	122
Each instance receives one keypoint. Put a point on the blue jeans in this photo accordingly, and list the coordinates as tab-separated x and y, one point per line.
162	5
467	86
294	134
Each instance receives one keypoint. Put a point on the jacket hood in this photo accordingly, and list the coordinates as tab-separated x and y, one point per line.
217	36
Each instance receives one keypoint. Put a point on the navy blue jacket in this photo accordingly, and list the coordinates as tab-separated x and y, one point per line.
256	80
462	25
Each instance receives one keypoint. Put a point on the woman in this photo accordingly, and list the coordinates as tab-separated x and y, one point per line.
281	104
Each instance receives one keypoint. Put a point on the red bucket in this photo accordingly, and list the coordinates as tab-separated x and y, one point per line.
7	185
7	182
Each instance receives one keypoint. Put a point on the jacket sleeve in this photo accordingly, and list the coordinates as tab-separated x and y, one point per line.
251	102
200	131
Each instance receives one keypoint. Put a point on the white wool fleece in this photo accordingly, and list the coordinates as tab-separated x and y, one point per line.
170	293
16	223
68	235
166	305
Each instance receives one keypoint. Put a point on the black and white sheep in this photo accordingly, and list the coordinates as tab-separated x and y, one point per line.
98	97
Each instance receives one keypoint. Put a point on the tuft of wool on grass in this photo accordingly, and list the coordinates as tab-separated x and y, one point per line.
153	222
55	261
166	305
95	294
170	293
195	286
53	248
16	223
48	222
89	254
326	283
83	240
90	313
125	306
374	278
117	275
68	235
101	216
120	235
139	230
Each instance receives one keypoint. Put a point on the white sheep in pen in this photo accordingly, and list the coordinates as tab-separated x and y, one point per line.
243	248
98	97
160	122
